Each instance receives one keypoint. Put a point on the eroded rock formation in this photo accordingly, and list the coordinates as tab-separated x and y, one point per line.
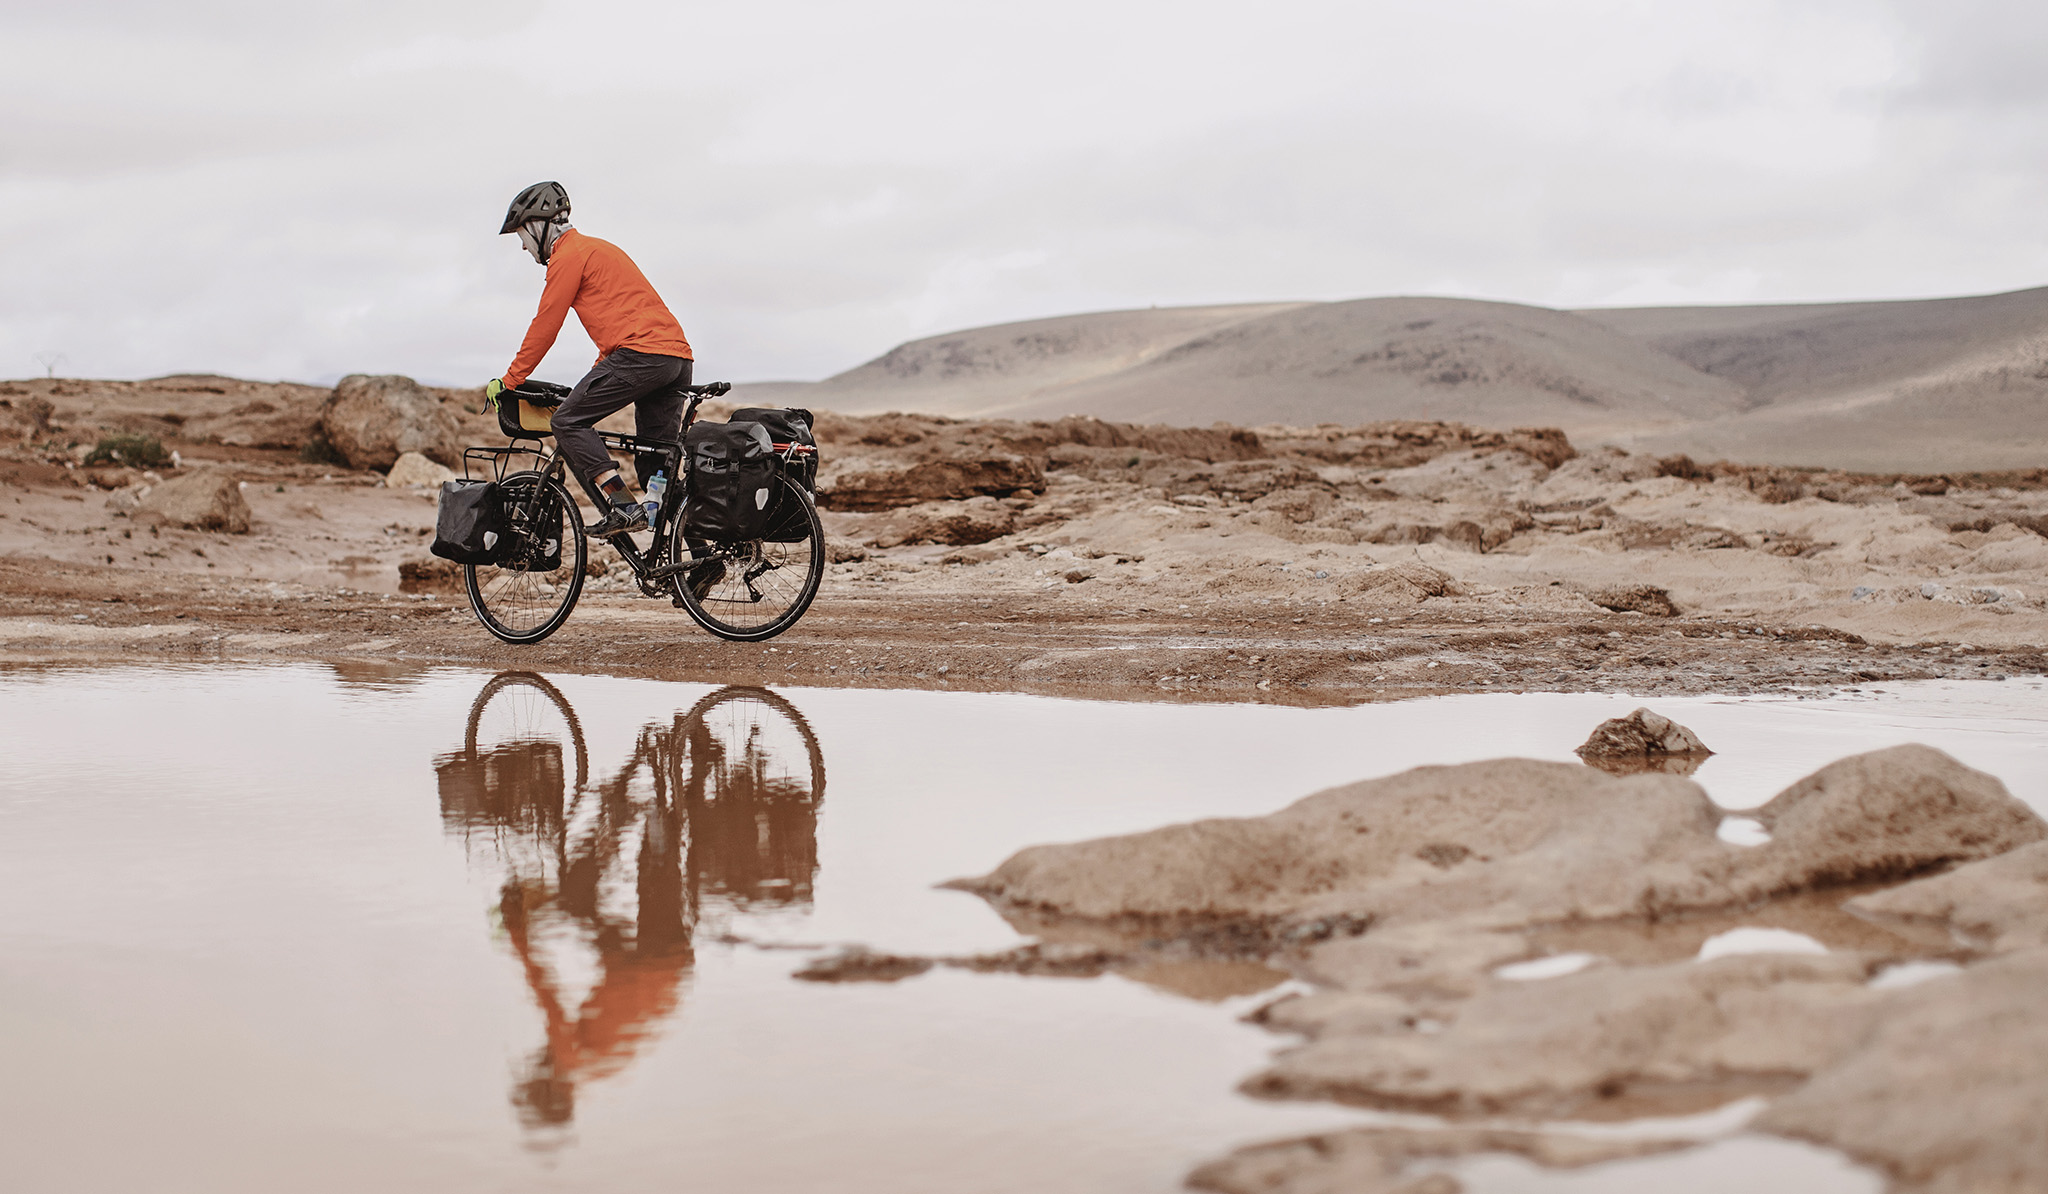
1416	904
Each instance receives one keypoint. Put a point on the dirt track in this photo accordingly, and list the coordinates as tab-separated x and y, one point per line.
1324	565
1025	643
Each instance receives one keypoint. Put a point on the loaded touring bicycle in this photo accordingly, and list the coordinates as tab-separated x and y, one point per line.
736	540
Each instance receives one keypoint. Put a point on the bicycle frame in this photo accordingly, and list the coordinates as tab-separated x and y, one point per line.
668	520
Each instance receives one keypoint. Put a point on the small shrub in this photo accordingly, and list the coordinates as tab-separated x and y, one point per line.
136	451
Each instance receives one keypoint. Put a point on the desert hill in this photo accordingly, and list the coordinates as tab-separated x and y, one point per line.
1938	384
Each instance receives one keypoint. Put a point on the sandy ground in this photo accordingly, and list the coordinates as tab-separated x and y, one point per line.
1326	565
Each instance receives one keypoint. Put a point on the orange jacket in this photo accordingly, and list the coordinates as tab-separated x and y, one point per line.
610	295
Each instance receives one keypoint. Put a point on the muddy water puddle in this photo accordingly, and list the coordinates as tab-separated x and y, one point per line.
335	929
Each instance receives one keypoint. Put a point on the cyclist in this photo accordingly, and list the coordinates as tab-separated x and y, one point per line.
643	358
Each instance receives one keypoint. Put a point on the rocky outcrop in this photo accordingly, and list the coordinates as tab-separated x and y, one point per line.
1946	1089
1640	599
1415	901
1400	584
1659	1036
203	499
1381	1160
976	520
952	479
373	420
1886	815
288	422
25	418
1997	905
1514	842
1641	734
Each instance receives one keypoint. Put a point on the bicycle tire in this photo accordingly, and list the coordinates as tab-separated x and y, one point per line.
720	609
507	681
814	755
522	605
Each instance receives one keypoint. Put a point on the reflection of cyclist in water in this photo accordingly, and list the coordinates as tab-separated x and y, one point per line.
722	802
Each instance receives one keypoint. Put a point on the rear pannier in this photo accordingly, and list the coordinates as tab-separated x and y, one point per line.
787	520
732	481
469	527
788	425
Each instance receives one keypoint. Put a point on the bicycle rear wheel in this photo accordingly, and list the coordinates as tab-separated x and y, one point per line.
528	596
755	589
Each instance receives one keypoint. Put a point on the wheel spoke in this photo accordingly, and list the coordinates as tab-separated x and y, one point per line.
765	586
522	600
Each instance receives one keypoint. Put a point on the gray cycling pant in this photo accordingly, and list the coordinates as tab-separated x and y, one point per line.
650	384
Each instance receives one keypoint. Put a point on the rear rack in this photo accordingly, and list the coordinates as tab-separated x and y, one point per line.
499	459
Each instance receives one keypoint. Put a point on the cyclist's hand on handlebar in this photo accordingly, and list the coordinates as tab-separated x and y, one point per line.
492	389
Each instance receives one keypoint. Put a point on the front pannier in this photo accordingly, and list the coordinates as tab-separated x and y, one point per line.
469	526
536	537
732	481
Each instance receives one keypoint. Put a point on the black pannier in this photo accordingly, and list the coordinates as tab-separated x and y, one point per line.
788	425
787	521
469	526
536	545
732	481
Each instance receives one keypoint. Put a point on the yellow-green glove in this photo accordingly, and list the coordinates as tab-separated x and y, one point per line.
492	389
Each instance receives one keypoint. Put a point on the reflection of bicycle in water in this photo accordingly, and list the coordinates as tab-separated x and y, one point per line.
716	808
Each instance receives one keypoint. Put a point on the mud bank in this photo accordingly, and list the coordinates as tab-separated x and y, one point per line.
1515	941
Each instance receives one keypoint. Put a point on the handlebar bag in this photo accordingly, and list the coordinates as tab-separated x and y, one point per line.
469	524
528	413
731	481
788	425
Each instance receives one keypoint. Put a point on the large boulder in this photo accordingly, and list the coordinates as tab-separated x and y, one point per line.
414	471
201	499
951	479
373	420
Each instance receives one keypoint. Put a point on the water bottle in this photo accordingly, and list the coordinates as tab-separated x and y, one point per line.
655	488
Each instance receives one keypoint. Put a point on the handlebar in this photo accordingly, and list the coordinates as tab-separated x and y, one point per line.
557	391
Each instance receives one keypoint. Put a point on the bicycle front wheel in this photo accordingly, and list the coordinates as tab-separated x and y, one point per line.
528	595
755	589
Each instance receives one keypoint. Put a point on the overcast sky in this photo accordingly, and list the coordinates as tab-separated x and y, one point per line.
301	191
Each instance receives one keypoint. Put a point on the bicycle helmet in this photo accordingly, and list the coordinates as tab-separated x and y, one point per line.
541	201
